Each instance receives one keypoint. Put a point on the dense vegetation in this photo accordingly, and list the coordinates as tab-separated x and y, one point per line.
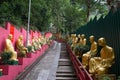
66	15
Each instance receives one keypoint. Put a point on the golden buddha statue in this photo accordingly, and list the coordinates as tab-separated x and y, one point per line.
22	51
76	45
35	43
43	40
81	44
82	40
93	50
101	65
30	47
39	42
79	36
74	41
9	48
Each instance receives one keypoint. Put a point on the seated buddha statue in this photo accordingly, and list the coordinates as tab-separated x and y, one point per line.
30	47
35	44
22	51
9	48
77	52
82	47
38	42
101	65
43	40
82	40
93	50
74	42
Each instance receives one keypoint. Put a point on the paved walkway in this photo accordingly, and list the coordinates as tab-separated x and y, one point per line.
47	66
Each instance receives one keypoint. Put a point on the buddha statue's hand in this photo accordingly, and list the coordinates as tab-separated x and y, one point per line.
26	49
91	54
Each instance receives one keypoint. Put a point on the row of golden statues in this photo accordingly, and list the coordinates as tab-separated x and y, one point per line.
21	50
94	65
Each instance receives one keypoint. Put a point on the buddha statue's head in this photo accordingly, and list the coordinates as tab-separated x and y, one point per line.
91	39
83	36
101	41
21	37
74	35
10	36
79	35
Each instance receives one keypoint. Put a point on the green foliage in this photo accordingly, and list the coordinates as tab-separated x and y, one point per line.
82	49
69	41
0	73
5	57
29	48
91	7
66	15
118	78
73	18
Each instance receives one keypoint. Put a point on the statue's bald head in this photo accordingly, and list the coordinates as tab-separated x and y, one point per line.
101	41
79	35
91	38
21	37
10	36
83	36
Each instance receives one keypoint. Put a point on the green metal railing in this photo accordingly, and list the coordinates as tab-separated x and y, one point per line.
109	28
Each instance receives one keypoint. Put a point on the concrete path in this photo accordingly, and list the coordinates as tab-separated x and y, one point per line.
47	66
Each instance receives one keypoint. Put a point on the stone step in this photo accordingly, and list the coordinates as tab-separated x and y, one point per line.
65	75
65	60
64	56
66	78
63	51
65	67
65	71
64	64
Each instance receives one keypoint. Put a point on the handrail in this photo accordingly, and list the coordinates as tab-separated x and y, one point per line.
81	72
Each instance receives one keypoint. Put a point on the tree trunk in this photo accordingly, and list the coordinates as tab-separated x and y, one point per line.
88	9
88	14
